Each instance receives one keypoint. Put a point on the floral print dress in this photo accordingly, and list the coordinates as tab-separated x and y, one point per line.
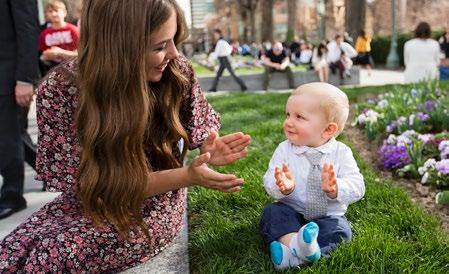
59	238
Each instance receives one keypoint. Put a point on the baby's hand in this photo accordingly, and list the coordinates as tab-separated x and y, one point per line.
329	181
284	180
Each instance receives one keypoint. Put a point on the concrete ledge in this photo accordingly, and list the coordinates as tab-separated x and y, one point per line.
278	80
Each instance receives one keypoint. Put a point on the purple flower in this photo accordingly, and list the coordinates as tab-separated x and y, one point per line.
392	156
443	166
365	110
443	147
391	127
414	92
429	105
422	116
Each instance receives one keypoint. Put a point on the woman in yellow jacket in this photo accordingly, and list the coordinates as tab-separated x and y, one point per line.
363	48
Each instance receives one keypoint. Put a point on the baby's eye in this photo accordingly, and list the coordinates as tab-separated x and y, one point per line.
288	114
299	116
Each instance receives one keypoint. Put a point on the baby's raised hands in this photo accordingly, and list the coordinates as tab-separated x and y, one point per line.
329	181
284	179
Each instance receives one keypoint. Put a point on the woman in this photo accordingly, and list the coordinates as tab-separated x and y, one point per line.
114	129
319	62
363	48
421	56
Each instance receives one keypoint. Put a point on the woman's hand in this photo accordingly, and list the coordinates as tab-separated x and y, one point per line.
227	149
202	175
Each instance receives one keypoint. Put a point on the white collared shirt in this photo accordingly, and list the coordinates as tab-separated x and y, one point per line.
351	186
222	48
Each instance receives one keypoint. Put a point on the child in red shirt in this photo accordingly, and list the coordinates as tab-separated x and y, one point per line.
60	40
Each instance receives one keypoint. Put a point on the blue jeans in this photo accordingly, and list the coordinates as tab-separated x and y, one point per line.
279	219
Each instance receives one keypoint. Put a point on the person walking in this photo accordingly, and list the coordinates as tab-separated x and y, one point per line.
223	51
19	70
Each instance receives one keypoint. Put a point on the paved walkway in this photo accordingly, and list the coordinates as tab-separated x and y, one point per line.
177	253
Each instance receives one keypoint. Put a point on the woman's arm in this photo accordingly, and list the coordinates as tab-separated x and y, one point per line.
198	173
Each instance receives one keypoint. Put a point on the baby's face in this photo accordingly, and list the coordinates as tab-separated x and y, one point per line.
305	121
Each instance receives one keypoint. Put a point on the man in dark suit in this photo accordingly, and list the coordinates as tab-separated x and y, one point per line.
19	34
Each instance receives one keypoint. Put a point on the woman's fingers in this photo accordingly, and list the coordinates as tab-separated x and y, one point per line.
243	139
241	146
232	137
201	159
236	156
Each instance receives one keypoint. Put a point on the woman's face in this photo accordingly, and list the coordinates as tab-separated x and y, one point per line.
162	49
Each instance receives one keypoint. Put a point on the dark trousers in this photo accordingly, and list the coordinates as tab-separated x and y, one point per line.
279	219
28	145
270	70
225	64
340	66
11	147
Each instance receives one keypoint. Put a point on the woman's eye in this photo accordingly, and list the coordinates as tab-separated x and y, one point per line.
162	47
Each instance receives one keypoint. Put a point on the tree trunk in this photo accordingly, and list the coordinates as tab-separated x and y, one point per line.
291	20
267	15
355	16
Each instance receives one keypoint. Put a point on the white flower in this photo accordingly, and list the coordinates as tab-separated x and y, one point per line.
411	119
402	120
409	133
442	146
430	163
382	104
361	119
391	140
403	141
425	178
422	170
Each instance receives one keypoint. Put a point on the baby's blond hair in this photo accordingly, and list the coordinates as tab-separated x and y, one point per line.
332	101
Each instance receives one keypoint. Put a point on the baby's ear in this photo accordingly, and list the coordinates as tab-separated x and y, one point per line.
330	130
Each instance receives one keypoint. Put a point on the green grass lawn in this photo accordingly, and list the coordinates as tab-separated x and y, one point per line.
391	234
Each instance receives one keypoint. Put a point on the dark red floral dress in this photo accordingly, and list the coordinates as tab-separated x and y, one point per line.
59	238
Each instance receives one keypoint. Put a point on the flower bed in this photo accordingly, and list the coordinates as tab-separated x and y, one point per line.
412	129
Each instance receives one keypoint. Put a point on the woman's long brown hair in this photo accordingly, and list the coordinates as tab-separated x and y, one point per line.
121	118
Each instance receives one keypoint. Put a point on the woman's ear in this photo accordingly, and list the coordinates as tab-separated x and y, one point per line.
330	130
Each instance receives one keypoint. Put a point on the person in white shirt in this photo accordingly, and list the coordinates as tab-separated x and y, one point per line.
319	62
223	52
335	48
307	220
421	56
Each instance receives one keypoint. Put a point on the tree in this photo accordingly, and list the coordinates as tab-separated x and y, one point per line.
248	12
291	20
267	20
355	11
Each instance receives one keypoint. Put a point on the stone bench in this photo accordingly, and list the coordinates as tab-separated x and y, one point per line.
278	80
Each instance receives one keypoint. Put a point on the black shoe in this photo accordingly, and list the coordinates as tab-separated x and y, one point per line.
244	88
212	90
10	204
